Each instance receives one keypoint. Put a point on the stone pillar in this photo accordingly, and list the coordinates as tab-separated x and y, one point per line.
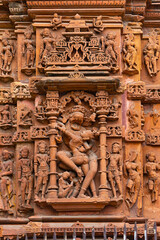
102	111
52	113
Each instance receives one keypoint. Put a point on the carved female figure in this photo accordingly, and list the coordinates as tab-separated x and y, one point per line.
47	45
81	154
29	47
41	169
7	54
151	54
6	187
151	167
134	181
115	169
25	177
130	53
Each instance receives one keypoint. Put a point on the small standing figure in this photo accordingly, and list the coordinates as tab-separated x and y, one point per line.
151	53
108	46
56	21
115	169
65	188
25	117
130	54
7	54
41	169
25	177
132	169
6	186
5	117
28	49
152	167
98	24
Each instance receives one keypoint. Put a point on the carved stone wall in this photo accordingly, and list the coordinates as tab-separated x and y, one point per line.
79	113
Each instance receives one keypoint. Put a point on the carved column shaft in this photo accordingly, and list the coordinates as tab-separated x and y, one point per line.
52	112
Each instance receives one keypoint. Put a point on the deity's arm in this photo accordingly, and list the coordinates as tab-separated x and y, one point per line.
120	164
9	170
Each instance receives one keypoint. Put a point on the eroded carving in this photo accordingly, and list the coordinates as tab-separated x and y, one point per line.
5	117
25	117
133	118
98	24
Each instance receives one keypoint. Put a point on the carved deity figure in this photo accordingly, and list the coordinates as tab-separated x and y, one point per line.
25	177
26	117
28	49
40	111
7	54
5	116
6	186
80	159
47	45
130	54
56	21
108	46
152	168
41	169
151	53
132	118
114	169
98	24
132	168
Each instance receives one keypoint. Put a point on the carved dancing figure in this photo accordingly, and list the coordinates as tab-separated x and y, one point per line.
41	169
98	24
6	186
81	154
152	167
130	53
56	21
115	169
151	54
7	54
132	169
25	177
28	49
47	45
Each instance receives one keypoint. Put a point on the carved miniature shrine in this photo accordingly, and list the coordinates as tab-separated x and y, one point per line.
79	116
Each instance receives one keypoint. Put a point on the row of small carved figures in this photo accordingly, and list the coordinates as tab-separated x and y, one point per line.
92	233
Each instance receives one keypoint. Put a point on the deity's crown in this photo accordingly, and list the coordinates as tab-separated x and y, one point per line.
78	108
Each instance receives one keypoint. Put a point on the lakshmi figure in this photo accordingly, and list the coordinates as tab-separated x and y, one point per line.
80	158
